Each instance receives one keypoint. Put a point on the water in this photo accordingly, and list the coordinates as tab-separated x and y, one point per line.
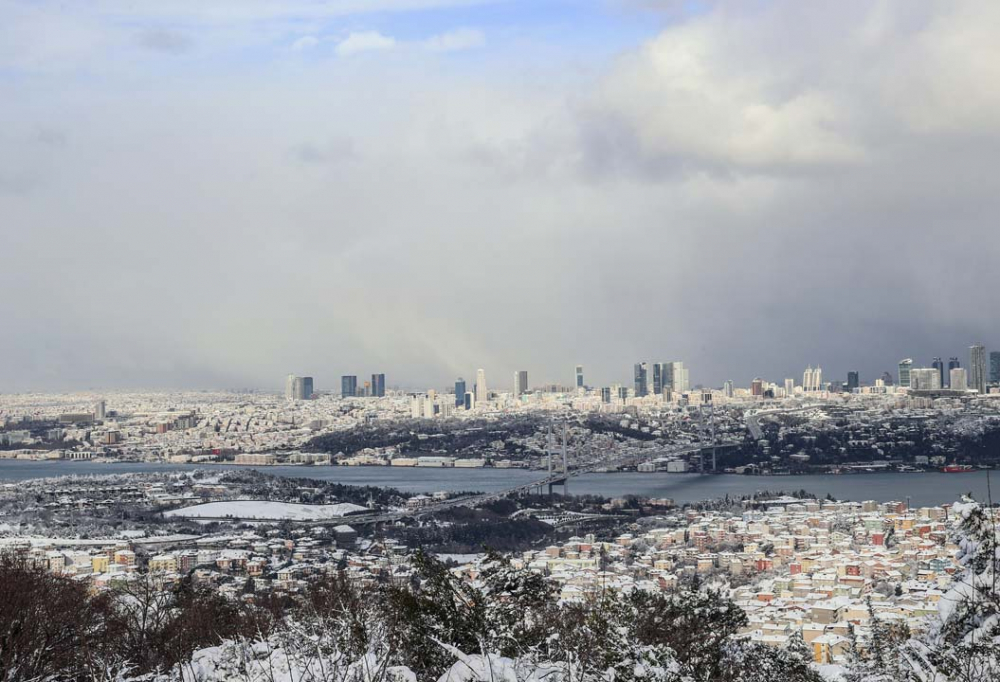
922	488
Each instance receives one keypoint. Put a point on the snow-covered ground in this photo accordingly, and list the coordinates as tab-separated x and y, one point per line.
263	509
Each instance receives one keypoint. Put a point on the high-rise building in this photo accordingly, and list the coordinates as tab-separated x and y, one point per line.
481	395
938	364
925	379
959	379
641	374
520	382
470	400
606	394
757	387
298	388
622	392
727	388
658	378
904	372
953	363
459	392
674	376
100	411
853	380
886	379
812	379
977	368
378	385
348	386
789	386
579	376
995	367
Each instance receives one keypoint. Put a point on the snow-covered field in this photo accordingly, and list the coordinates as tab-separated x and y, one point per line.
262	509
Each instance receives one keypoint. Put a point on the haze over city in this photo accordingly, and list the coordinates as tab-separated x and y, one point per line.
218	194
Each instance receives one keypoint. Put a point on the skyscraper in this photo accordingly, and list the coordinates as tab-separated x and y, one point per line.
959	379
953	363
481	386
995	367
789	386
675	377
657	378
727	388
939	366
348	386
925	379
977	368
579	376
904	372
641	387
757	387
298	388
606	394
853	380
520	382
100	411
378	385
459	392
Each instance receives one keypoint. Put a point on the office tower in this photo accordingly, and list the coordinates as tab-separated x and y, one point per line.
290	387
977	368
306	389
886	379
622	393
100	410
757	387
925	379
367	391
459	392
836	387
682	383
995	367
938	364
657	378
853	380
481	386
348	386
520	382
417	406
789	386
904	372
606	394
470	400
818	378
641	371
579	376
959	379
727	388
807	379
952	364
378	385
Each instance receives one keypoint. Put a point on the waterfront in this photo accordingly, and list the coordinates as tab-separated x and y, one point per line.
922	488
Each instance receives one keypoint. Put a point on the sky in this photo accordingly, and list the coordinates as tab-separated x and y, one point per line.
215	194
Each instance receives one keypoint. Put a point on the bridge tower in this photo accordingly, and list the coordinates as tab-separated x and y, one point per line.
554	478
706	416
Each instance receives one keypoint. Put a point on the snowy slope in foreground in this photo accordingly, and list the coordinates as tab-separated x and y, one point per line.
262	509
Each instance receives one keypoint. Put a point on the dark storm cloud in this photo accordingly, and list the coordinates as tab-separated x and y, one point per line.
754	190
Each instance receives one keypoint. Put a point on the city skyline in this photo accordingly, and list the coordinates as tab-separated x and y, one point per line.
425	187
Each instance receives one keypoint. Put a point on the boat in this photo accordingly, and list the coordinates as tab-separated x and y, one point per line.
956	469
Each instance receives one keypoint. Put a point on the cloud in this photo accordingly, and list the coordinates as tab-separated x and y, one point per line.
164	40
364	41
305	43
754	189
459	39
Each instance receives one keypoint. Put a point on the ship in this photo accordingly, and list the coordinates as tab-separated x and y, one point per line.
956	469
